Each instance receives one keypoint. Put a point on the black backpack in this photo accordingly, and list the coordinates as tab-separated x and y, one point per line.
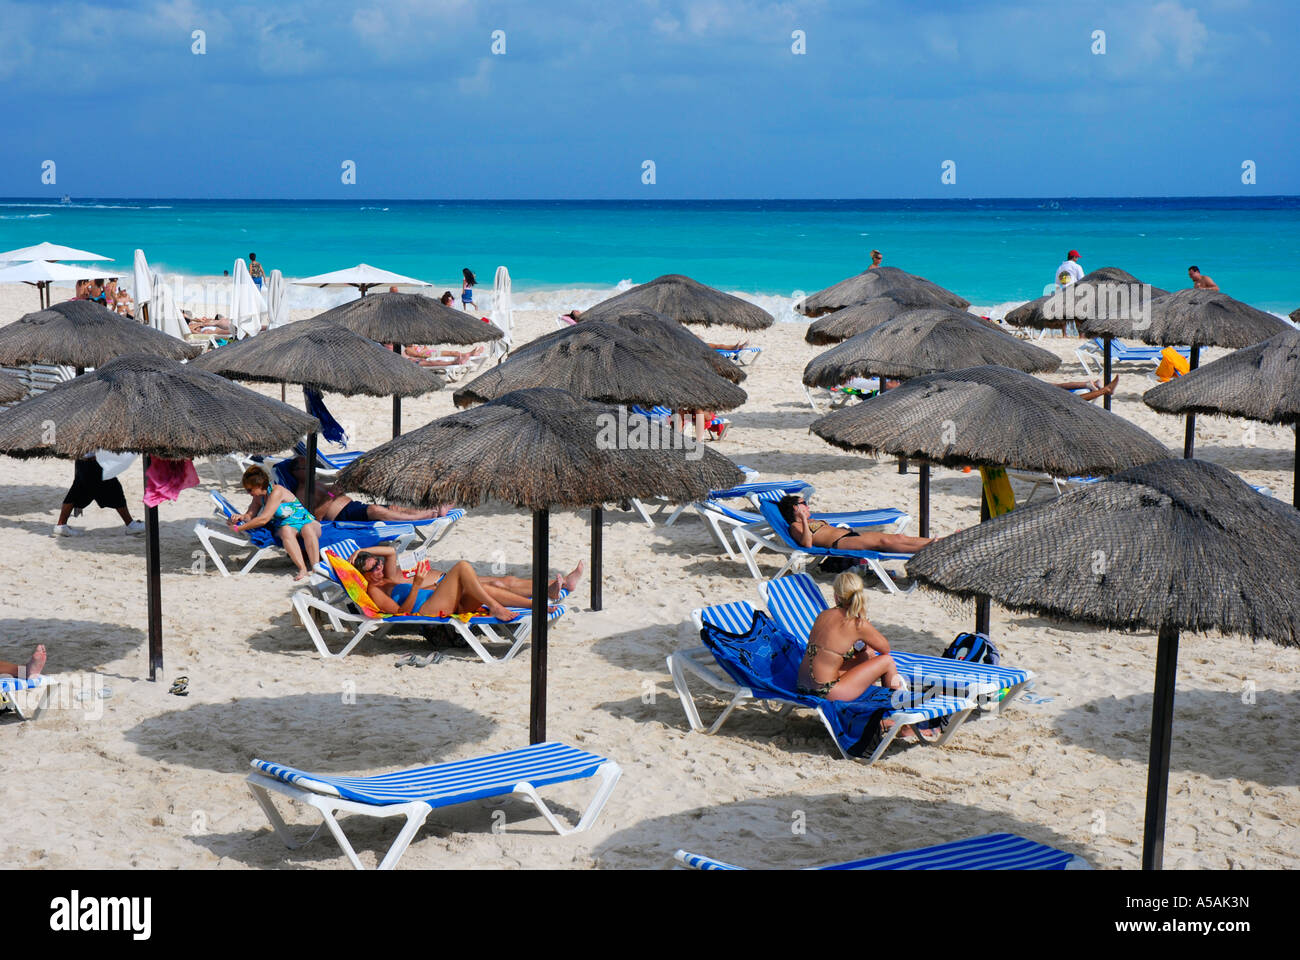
973	648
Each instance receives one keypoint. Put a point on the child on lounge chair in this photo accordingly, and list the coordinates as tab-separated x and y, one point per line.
818	533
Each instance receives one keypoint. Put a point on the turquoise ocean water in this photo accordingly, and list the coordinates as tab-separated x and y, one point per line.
989	251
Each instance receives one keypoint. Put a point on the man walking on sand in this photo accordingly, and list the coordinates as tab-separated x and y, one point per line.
1071	266
1200	281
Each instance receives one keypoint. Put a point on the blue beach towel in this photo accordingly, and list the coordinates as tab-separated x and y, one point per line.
330	428
766	659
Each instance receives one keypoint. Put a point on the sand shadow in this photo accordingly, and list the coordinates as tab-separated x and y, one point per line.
777	464
33	498
1238	458
770	420
319	732
286	636
761	833
1200	717
74	646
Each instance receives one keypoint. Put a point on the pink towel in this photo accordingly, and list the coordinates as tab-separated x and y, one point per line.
165	479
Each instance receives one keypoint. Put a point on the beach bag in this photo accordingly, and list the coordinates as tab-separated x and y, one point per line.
834	565
973	648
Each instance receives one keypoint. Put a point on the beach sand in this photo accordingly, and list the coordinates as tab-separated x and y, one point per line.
144	779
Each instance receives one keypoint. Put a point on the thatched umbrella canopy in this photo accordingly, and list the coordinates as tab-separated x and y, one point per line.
991	417
604	362
876	282
159	408
1170	546
850	321
686	301
1106	291
538	449
1199	318
321	356
1260	382
402	318
666	333
79	333
923	341
11	389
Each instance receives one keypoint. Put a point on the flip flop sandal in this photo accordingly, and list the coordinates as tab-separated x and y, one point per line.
414	660
180	687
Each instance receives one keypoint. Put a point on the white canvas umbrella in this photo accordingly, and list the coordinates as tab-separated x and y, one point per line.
502	307
50	251
164	312
363	277
40	274
247	307
143	281
277	301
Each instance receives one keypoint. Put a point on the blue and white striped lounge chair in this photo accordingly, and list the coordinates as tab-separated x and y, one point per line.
738	355
776	536
997	851
761	661
12	689
338	610
715	512
1094	351
264	544
794	602
413	793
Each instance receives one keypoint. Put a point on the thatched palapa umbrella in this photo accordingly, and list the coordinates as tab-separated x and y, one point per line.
325	357
402	318
1106	291
1260	382
929	340
669	335
155	407
1198	318
1170	546
11	389
686	301
80	334
848	322
605	363
537	449
876	282
992	417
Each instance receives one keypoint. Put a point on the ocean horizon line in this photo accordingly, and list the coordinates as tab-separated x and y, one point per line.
645	200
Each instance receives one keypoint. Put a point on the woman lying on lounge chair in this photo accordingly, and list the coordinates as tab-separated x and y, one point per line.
459	590
818	533
276	507
334	504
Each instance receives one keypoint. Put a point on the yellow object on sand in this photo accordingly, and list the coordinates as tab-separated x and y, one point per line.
1172	364
997	491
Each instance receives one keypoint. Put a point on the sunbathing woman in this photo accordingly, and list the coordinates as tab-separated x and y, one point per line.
276	507
31	669
818	533
459	590
1090	389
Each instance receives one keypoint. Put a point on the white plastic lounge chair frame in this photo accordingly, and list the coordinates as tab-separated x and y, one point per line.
752	540
325	800
699	662
514	633
12	689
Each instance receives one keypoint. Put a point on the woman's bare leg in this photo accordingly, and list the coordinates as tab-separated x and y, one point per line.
858	678
32	668
311	539
460	591
381	511
885	542
289	539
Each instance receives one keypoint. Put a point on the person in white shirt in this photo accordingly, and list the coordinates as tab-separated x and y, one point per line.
1071	266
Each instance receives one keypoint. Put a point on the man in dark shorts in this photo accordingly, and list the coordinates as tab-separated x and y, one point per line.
89	485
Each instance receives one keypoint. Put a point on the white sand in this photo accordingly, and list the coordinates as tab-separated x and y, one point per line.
157	781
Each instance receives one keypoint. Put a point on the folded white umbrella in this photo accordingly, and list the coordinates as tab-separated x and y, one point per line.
143	279
164	312
502	306
50	251
277	301
247	307
363	277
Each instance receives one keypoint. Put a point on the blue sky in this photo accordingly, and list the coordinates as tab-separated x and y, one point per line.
709	90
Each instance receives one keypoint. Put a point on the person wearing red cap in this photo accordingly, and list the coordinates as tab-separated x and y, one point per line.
1071	266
